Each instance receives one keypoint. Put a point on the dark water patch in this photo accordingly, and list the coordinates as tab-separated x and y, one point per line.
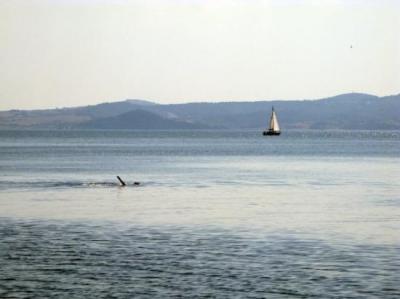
76	135
29	185
32	185
70	144
86	260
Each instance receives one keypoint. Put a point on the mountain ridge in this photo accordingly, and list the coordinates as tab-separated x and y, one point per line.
141	120
344	111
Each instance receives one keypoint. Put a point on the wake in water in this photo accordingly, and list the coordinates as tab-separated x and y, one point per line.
4	185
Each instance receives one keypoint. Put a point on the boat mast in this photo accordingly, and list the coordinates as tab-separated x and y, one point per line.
273	124
271	121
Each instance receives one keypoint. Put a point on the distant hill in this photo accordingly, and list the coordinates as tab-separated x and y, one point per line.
66	118
346	111
140	102
139	119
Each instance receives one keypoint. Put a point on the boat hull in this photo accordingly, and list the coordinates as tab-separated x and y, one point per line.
271	133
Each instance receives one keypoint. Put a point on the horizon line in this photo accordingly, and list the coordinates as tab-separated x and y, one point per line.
198	102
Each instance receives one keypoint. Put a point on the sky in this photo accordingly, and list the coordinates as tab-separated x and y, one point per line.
78	52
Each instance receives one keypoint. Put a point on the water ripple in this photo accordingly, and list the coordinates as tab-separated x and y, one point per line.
43	259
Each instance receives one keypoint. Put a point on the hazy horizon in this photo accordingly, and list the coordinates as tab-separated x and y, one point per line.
76	53
200	101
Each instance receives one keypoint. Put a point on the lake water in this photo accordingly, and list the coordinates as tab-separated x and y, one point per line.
218	214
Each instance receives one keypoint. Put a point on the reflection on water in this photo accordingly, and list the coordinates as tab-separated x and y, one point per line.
70	260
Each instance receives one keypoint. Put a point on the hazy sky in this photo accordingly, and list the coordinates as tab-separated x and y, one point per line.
70	52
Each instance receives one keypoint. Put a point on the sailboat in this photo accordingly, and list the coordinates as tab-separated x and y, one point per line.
273	125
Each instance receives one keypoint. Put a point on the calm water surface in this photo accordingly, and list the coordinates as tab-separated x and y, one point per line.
218	214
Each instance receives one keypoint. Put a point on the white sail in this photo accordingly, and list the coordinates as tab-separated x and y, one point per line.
273	123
